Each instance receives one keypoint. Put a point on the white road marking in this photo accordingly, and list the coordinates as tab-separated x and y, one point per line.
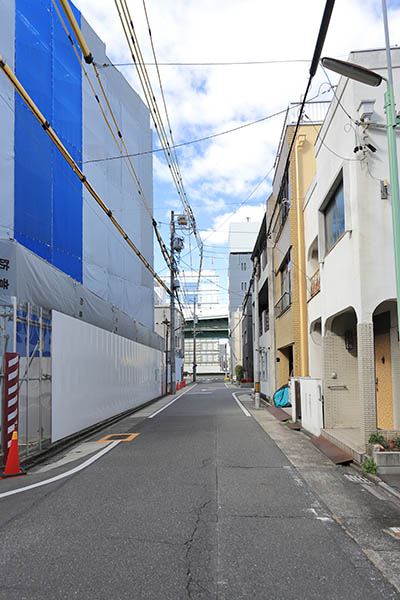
246	412
63	475
76	453
377	493
169	403
356	478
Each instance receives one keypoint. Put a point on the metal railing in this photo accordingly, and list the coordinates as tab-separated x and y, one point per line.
282	217
26	329
283	303
315	284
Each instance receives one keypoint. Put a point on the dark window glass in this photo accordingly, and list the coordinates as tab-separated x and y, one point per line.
334	217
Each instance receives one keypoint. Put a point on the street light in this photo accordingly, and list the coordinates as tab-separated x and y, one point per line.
371	78
352	71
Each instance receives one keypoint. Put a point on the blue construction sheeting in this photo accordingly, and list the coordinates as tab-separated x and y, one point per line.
48	195
34	332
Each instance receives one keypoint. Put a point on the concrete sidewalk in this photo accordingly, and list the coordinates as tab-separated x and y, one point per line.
345	491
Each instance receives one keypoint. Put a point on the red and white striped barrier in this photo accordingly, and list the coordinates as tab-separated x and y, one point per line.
11	396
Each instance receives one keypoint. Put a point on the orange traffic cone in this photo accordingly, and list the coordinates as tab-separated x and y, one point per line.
12	468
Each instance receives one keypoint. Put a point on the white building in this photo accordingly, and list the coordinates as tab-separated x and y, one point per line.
205	292
353	326
242	237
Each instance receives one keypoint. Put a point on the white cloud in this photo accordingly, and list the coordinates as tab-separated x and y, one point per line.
203	100
218	233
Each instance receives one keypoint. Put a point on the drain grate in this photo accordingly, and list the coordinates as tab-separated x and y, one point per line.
356	478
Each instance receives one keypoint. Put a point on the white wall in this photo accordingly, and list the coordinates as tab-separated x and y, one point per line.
97	374
110	267
359	270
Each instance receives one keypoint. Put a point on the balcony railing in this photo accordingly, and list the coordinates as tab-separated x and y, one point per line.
283	303
282	217
315	284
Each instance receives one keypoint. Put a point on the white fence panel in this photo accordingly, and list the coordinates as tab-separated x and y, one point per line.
97	374
311	405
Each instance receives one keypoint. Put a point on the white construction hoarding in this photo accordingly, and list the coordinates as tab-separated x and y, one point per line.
97	374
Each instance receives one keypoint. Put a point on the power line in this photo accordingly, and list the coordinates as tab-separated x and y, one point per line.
127	159
207	64
187	206
197	140
171	158
326	17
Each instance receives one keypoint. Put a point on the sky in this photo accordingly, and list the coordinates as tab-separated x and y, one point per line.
228	178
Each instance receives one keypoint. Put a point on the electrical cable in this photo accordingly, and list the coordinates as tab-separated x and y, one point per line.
198	140
326	17
337	97
326	145
209	64
172	145
125	156
134	47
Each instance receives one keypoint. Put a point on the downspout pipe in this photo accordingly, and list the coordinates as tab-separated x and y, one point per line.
304	372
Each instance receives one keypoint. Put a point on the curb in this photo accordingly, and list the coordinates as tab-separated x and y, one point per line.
354	465
377	480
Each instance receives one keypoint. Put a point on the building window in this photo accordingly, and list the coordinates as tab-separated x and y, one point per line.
243	266
285	299
334	217
244	286
283	204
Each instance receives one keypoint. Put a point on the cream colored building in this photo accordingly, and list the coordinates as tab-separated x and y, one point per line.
286	235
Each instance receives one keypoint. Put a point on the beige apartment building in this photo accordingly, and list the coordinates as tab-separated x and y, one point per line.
286	232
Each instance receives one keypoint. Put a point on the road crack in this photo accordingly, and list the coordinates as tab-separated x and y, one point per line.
189	546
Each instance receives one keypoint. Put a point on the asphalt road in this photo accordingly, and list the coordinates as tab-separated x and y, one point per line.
201	505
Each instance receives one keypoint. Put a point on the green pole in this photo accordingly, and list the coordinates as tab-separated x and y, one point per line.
391	122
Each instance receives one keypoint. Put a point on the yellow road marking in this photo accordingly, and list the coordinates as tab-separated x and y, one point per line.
121	437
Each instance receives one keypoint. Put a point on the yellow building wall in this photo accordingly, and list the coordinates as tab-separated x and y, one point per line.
288	326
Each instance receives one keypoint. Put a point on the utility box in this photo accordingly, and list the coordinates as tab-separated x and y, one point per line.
307	391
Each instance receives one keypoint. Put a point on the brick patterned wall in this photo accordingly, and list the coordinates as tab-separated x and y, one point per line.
342	406
366	376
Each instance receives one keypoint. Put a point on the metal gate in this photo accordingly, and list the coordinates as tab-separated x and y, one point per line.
26	329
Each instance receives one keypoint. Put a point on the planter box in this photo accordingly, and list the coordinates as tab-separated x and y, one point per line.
246	384
388	462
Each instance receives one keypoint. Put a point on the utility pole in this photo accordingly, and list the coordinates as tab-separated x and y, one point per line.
392	121
166	323
194	339
256	340
172	304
